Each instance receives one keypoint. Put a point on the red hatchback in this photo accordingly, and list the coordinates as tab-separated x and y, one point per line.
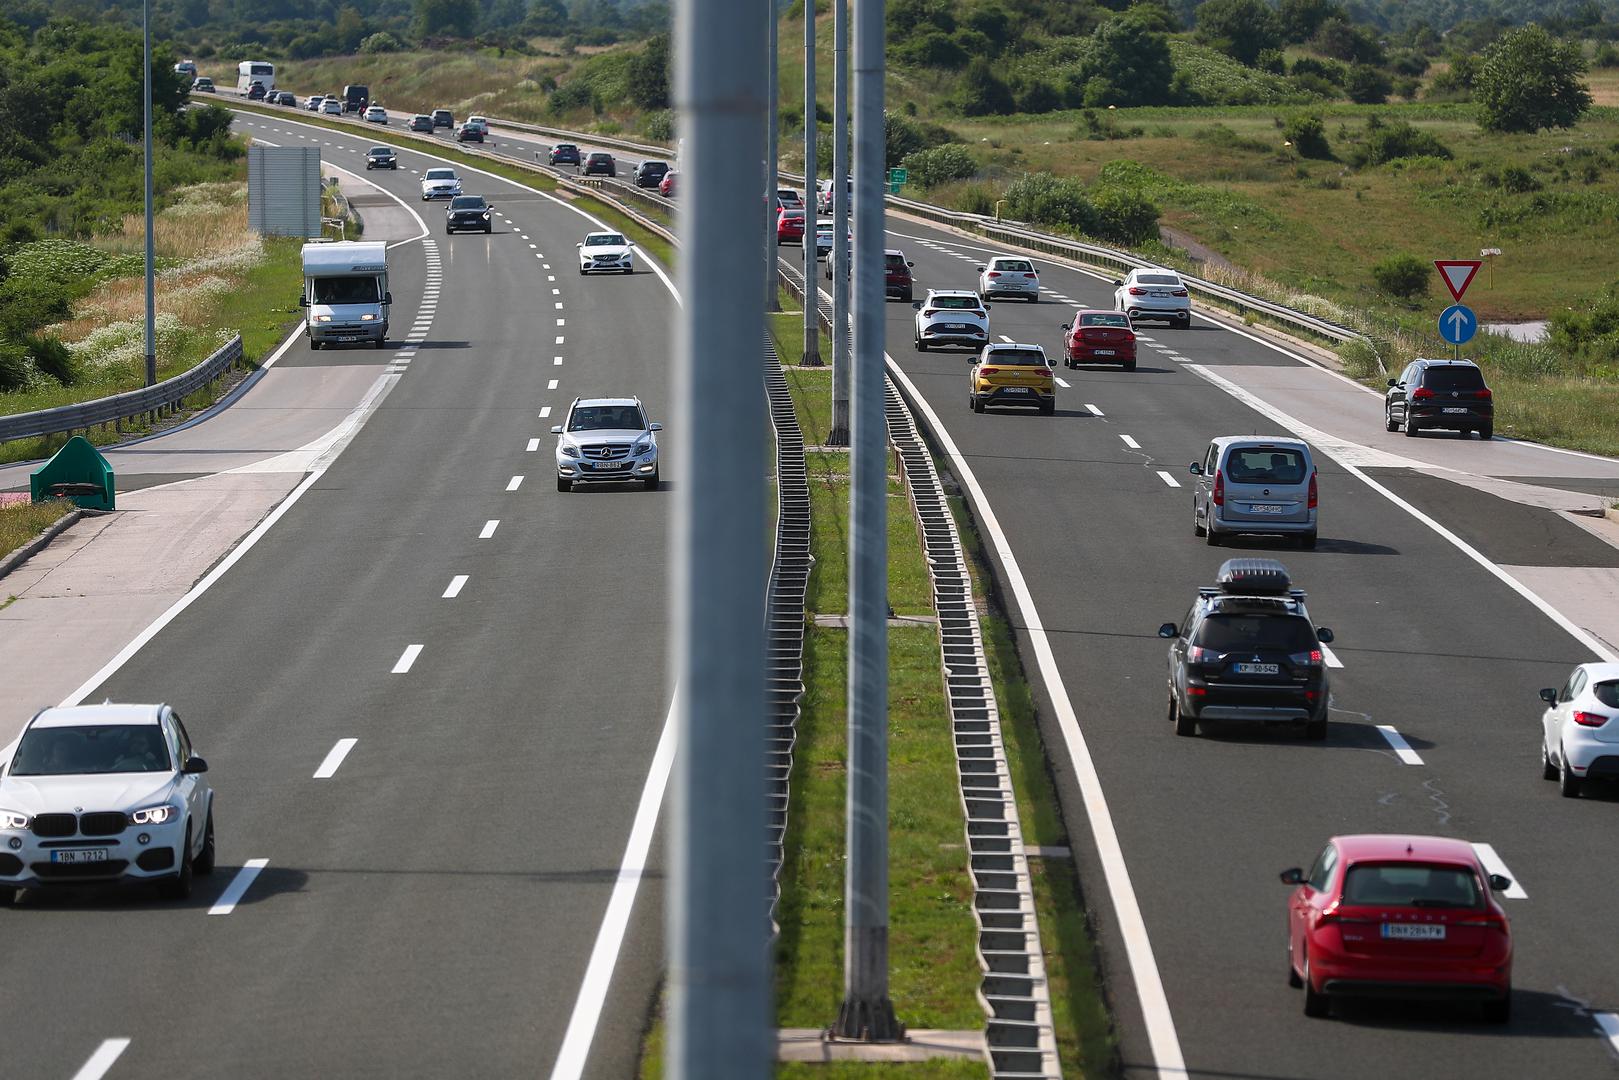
1399	916
1099	337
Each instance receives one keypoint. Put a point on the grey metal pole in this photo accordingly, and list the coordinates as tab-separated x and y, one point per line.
720	1011
866	1012
812	317
151	284
838	435
772	162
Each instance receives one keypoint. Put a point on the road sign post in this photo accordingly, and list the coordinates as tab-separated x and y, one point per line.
896	180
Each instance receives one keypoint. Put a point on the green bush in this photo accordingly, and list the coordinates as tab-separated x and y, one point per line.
1386	142
1367	85
1308	134
381	42
1125	216
660	126
16	373
1206	77
976	199
52	357
940	165
1044	199
1404	276
982	92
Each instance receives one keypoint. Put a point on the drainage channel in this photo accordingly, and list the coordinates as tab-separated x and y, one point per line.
1015	993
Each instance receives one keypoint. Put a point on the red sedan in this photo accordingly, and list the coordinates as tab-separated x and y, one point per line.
1399	916
1099	337
789	226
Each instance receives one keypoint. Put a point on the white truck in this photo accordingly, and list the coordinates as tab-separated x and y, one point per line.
346	296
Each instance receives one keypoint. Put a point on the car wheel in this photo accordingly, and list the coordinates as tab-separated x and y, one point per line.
1307	542
1499	1012
1316	730
1214	539
178	887
1184	725
629	269
1568	785
1388	420
1315	1005
564	484
978	404
1487	431
1293	979
314	346
651	482
921	346
907	296
1129	365
1184	322
1548	771
1048	408
204	863
1411	428
1197	526
380	343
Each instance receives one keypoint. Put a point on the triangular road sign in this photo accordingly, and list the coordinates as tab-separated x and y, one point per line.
1458	274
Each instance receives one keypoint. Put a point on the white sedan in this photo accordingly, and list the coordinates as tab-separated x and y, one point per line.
376	114
951	317
1580	736
440	184
601	252
1154	294
105	793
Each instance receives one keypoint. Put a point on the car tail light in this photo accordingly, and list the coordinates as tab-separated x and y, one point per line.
1197	691
1489	921
1047	372
1137	291
1178	292
993	274
1219	488
1197	654
1306	659
1312	495
1421	393
927	312
1590	719
1483	395
989	371
1028	275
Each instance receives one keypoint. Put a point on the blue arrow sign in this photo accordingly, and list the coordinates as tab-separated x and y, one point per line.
1458	324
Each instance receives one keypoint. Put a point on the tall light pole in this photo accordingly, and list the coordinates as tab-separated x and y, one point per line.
720	1013
838	434
772	94
866	1012
812	318
146	109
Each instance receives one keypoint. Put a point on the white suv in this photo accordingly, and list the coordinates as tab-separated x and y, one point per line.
440	184
1581	737
606	440
951	317
105	793
1009	275
1154	294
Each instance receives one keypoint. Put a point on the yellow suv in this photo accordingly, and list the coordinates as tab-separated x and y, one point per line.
1012	375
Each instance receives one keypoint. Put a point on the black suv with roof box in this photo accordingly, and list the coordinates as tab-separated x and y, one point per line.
1446	394
1247	651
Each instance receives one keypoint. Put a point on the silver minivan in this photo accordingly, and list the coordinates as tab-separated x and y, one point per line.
1248	484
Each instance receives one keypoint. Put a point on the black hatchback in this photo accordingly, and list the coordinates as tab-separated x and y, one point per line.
650	173
564	154
381	157
469	213
598	162
1448	394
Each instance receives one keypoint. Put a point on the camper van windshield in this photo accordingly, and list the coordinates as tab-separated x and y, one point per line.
346	290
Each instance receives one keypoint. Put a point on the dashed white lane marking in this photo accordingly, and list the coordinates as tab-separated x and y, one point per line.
334	758
1331	657
406	659
559	308
1608	1024
546	266
1492	862
489	528
559	342
1064	384
1008	340
562	322
238	887
525	237
102	1060
1131	443
555	292
545	410
534	245
552	385
1166	478
533	445
1094	410
1401	748
550	277
514	483
457	583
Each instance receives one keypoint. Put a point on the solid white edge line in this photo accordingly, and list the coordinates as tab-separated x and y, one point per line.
334	758
1166	1048
111	666
102	1060
1131	443
406	659
1168	479
1397	743
1495	865
453	589
489	528
571	1058
238	887
1331	657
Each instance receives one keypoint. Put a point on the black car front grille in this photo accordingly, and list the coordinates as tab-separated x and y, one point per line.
155	859
55	825
70	871
102	824
10	865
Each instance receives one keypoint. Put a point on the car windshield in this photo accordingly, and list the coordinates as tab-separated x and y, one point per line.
1018	357
566	146
954	303
1014	265
346	290
440	112
381	151
467	202
1105	319
91	748
606	417
1157	279
439	174
611	239
1265	465
655	166
1412	885
1453	377
1242	633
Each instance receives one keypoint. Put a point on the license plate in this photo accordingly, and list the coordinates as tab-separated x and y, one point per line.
1016	389
954	326
1414	931
1266	508
347	337
1102	352
1257	669
1454	411
607	465
80	855
1159	292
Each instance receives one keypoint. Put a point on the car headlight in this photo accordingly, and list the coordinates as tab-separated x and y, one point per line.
323	318
568	451
642	447
152	815
367	317
12	819
486	213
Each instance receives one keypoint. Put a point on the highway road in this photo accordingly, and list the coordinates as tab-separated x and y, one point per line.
494	650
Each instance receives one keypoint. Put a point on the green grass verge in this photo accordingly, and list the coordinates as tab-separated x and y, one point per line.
20	523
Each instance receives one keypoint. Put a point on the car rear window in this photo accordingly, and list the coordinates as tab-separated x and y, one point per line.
1238	633
1018	357
1014	265
91	748
954	303
1412	885
1158	279
1453	377
895	262
1105	319
1607	693
1265	465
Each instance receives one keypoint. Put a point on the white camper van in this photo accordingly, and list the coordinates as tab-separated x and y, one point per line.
346	292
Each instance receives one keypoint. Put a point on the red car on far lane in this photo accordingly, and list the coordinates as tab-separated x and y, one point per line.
666	186
1399	916
1099	337
789	226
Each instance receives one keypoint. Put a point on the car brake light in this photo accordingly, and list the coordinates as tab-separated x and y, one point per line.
1219	488
1306	659
1047	372
1483	395
989	371
1490	921
1312	496
1135	291
1196	654
1197	691
1178	292
1590	719
993	274
1421	393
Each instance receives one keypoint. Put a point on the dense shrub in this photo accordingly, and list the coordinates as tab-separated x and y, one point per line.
1367	85
940	165
1044	199
932	48
1404	276
381	42
1529	80
1125	216
1386	142
1308	134
660	126
982	92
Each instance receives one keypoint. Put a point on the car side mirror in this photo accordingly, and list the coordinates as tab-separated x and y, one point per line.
556	429
580	244
632	243
1324	635
980	269
1500	882
917	306
654	427
910	264
1549	696
1167	630
303	301
1195	469
1394	382
1292	876
387	298
1116	281
194	764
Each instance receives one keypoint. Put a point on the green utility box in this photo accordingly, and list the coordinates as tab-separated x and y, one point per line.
77	472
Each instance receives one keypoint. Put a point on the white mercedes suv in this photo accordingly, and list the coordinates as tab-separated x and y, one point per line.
606	439
105	794
440	184
601	251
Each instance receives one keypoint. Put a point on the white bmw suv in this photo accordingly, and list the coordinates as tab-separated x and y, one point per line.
105	794
951	317
1154	294
606	439
606	251
440	184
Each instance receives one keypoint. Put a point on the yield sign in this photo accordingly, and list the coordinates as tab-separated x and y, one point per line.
1458	274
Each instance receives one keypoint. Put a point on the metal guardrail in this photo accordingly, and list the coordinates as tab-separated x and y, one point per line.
148	401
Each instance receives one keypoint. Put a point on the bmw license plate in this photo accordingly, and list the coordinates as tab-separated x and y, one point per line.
80	855
1266	508
1451	412
1414	931
1257	669
1103	352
